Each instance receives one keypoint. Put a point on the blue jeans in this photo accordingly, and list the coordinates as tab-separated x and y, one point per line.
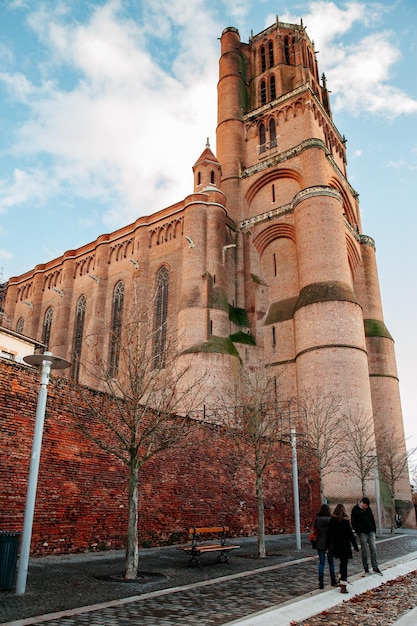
322	563
368	540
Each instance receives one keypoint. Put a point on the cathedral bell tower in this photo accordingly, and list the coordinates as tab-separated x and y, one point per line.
303	260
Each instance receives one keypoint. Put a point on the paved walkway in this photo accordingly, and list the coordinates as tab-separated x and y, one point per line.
250	595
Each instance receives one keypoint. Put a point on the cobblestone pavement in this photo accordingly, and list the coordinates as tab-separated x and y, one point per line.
172	593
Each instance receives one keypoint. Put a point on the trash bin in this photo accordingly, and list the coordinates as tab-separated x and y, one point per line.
9	548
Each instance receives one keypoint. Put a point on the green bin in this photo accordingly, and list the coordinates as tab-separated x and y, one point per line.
9	549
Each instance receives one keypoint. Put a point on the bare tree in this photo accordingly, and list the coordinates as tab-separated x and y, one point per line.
141	379
320	426
393	461
257	427
358	453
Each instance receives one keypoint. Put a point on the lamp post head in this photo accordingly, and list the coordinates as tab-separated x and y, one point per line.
57	363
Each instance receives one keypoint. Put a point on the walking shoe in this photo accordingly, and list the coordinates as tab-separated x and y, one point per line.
366	569
378	571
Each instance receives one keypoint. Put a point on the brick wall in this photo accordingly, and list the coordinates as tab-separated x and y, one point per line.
82	492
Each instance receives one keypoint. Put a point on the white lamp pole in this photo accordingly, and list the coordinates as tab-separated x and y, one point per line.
377	495
46	362
295	489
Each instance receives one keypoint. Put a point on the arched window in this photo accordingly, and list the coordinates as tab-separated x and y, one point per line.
47	324
262	138
199	178
212	177
263	59
263	92
287	50
116	328
78	336
20	325
272	133
161	312
271	54
272	88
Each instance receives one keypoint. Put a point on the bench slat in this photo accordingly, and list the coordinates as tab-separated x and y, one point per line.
208	529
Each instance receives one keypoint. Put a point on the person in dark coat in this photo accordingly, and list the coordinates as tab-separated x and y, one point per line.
363	523
340	538
321	524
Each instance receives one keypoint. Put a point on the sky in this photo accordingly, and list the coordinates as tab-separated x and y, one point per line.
105	105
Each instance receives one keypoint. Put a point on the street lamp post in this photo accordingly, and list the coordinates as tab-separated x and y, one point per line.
377	495
295	489
46	362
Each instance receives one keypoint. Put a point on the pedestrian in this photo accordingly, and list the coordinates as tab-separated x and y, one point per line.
398	520
321	524
363	523
340	538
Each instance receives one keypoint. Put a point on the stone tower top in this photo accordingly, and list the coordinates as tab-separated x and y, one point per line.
207	170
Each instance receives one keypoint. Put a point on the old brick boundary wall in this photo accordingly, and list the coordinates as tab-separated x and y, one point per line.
81	499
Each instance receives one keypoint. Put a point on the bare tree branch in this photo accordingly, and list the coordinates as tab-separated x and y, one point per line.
320	424
143	405
358	452
258	425
393	461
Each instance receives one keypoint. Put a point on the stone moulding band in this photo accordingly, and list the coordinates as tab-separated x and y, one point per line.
330	346
322	190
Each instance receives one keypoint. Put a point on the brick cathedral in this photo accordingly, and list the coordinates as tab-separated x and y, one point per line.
266	255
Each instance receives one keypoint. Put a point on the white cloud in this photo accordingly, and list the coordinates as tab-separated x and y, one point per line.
126	129
26	186
358	72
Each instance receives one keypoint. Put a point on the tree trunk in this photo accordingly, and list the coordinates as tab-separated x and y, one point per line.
323	495
392	509
132	549
261	516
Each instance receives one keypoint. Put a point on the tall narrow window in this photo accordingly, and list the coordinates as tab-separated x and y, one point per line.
274	260
47	325
272	133
78	337
20	325
263	92
161	311
271	54
274	341
287	50
262	138
263	59
272	88
212	177
273	192
116	328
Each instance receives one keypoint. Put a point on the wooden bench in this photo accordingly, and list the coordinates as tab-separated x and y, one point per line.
196	549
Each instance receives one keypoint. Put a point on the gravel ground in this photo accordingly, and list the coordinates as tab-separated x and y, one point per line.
380	606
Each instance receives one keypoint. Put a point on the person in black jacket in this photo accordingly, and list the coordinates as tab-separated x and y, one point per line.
339	538
363	523
321	523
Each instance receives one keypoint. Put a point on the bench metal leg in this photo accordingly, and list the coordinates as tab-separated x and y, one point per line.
194	561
